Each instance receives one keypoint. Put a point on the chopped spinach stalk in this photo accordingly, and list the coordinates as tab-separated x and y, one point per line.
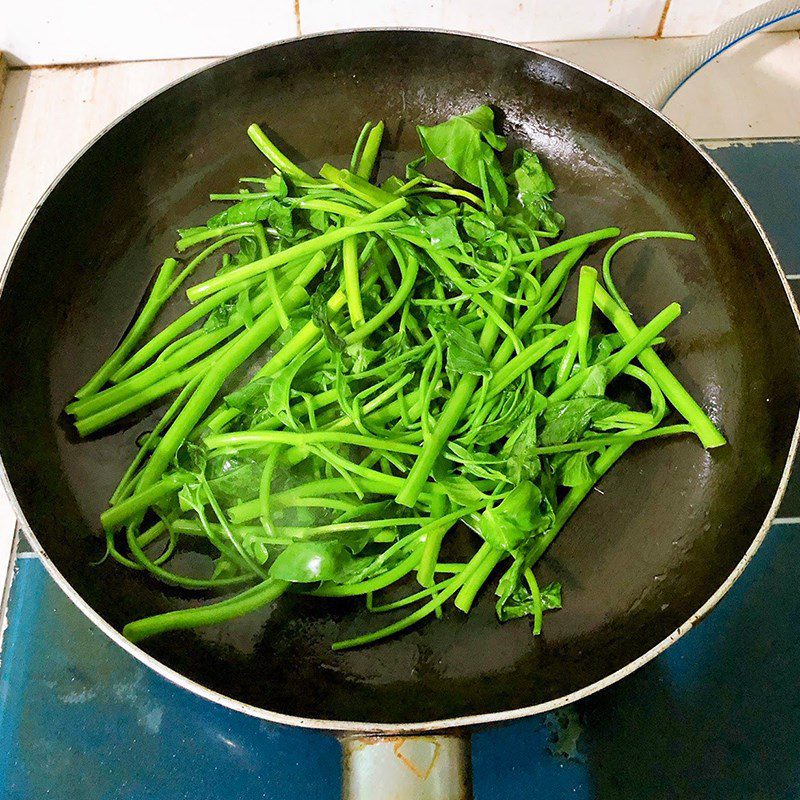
371	365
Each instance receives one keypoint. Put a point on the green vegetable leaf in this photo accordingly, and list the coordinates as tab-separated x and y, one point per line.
575	470
603	345
569	420
551	596
467	144
319	309
279	218
308	562
464	355
595	383
251	396
269	210
461	491
482	229
279	394
248	251
319	220
522	463
433	206
244	211
413	168
231	477
440	231
191	457
506	415
528	174
521	604
478	463
392	184
509	524
508	586
245	307
274	185
277	185
256	547
531	186
515	599
192	496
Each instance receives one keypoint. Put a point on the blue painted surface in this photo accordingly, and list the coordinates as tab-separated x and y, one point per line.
717	717
768	175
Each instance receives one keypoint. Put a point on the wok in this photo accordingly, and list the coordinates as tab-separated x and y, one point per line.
641	561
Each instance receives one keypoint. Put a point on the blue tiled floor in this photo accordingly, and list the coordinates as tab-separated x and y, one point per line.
717	717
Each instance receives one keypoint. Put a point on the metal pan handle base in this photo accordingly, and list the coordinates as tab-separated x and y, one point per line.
434	767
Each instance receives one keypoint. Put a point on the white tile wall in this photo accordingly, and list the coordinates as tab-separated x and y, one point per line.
78	31
530	20
698	17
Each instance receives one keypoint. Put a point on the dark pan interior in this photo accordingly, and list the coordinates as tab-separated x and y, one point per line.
639	557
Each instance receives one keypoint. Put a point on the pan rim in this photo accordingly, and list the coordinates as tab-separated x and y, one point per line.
468	721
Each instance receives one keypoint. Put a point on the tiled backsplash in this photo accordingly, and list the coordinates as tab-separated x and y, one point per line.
527	21
58	32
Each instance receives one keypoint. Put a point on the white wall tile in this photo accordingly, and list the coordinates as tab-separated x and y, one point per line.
699	17
595	20
80	31
508	19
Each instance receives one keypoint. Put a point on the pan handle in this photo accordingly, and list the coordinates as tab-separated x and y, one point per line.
427	767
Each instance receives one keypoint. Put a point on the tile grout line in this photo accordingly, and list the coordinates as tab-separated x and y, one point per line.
298	27
3	73
67	66
663	20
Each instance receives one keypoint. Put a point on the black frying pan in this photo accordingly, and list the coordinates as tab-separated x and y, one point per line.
640	562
